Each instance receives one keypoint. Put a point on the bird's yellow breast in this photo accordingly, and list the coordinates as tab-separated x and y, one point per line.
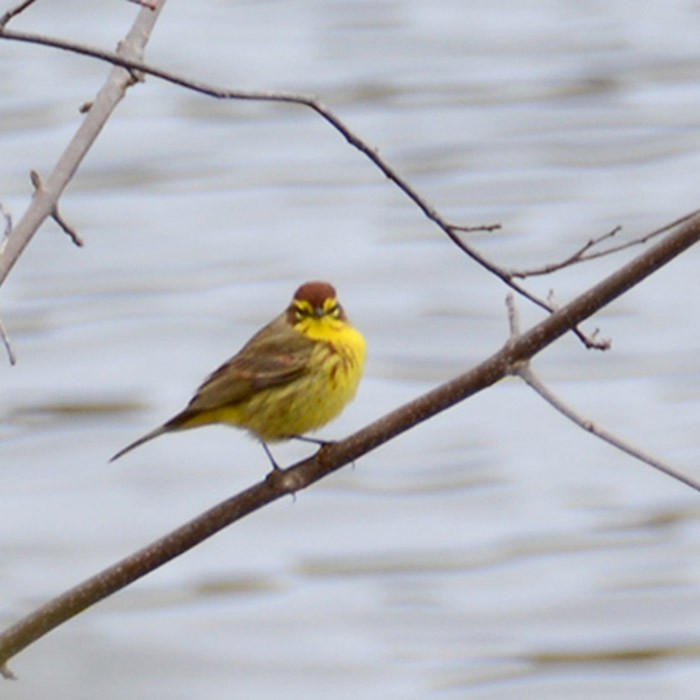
318	395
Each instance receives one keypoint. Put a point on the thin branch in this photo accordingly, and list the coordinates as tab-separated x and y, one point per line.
516	351
55	213
488	228
372	153
576	257
509	279
533	381
44	202
13	12
67	228
583	255
524	371
5	339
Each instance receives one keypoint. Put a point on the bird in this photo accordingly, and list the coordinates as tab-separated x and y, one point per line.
293	376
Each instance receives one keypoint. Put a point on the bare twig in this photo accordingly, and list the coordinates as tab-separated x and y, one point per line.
45	200
488	228
509	279
583	255
372	153
524	371
533	381
517	350
13	12
55	213
67	228
592	338
576	257
5	339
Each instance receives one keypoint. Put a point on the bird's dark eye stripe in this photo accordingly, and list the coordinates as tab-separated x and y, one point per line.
303	309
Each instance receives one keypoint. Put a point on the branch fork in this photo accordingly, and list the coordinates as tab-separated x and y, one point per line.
55	213
512	359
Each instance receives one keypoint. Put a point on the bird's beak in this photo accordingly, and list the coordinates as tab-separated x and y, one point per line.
319	311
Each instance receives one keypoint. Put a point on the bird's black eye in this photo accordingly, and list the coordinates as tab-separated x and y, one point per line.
302	310
332	308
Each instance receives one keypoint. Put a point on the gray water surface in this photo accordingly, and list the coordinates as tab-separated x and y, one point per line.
495	552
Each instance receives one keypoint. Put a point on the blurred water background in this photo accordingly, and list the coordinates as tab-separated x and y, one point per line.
495	552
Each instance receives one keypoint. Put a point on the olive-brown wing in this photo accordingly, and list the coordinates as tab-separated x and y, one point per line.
276	355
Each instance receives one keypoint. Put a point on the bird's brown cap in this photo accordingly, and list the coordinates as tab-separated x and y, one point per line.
315	293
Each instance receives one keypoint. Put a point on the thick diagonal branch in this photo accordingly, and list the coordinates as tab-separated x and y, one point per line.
333	456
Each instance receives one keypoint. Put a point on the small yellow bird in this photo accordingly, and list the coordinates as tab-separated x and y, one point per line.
294	375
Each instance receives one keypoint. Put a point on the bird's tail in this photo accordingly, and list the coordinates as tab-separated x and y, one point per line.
148	436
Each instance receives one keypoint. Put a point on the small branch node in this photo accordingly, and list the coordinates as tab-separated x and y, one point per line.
135	77
284	481
592	343
37	181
